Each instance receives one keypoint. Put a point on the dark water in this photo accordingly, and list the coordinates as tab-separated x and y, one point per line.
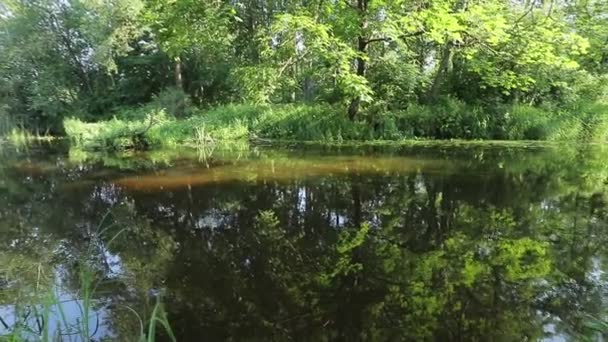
445	243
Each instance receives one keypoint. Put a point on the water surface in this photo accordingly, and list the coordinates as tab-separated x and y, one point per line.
459	243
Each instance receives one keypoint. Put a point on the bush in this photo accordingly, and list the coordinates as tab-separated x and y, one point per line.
592	121
173	101
447	119
310	123
526	123
114	134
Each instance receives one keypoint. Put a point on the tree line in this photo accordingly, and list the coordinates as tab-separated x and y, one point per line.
86	58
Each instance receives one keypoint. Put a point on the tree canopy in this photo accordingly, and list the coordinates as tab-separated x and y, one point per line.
87	58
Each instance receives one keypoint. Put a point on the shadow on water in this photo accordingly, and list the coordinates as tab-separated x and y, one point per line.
406	243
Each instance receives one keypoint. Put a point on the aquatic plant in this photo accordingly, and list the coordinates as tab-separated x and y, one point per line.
41	314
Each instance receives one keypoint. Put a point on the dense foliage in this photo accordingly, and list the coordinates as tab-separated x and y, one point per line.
375	62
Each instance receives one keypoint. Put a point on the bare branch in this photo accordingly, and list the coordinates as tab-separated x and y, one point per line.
389	39
525	14
291	61
383	39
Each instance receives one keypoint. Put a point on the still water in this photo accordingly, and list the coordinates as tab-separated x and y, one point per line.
443	243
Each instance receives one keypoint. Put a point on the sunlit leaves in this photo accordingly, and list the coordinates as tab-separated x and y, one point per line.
183	25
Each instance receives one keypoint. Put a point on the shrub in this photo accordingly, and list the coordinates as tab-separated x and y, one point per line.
310	123
415	121
526	123
593	118
114	134
455	119
387	128
446	119
566	128
173	101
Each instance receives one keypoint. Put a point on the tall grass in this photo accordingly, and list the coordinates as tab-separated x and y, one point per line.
36	325
446	119
44	318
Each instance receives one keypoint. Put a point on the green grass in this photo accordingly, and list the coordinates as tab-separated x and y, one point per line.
150	127
226	125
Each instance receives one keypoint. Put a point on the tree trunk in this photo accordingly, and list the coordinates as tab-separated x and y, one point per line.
356	195
355	103
604	57
445	66
179	82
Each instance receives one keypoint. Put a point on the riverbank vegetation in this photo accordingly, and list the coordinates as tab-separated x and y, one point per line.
134	74
327	124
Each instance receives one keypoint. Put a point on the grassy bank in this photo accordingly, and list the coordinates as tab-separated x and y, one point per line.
148	127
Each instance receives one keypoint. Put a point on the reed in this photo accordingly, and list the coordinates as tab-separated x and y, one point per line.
42	316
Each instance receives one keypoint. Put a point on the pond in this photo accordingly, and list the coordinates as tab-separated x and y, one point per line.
476	242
